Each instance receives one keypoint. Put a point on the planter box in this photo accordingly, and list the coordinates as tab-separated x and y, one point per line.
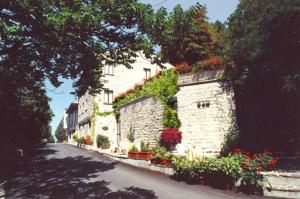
163	162
140	155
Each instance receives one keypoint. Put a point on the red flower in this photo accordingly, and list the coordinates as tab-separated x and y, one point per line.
247	157
272	163
237	151
262	159
254	155
267	152
171	136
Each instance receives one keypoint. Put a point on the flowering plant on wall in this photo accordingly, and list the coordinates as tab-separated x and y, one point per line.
170	137
183	67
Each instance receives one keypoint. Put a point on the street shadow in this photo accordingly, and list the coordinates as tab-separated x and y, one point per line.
70	177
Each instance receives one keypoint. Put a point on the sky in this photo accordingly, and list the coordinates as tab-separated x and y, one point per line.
216	10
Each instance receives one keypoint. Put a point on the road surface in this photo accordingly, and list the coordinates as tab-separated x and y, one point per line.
64	171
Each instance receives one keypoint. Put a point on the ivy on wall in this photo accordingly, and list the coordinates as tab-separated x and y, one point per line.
104	114
163	87
93	118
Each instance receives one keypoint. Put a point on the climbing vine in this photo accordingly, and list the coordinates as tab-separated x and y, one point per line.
104	114
93	118
163	87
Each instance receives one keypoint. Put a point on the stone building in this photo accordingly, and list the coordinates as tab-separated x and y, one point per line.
205	109
117	80
85	111
72	119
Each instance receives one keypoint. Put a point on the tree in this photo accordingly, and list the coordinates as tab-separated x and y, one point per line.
51	139
60	132
263	43
50	39
183	35
25	112
72	39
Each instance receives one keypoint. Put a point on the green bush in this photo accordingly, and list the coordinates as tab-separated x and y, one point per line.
75	137
133	148
103	142
212	168
81	140
161	152
145	147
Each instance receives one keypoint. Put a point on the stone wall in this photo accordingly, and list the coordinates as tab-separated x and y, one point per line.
145	116
205	110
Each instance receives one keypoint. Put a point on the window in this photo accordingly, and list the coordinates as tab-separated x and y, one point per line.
108	97
109	70
147	73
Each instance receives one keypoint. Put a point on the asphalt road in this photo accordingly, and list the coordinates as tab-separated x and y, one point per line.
64	171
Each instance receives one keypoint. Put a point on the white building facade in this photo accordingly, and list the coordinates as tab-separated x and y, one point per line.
118	79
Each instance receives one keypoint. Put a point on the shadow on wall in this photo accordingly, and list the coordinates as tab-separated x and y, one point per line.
267	116
66	178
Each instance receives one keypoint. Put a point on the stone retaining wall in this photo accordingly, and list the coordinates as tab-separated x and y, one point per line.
205	110
144	115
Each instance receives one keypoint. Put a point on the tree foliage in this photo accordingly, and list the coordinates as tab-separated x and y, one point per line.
72	39
183	35
51	39
263	43
25	112
61	132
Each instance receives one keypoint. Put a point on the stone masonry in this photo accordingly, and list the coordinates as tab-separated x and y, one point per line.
145	116
205	108
206	111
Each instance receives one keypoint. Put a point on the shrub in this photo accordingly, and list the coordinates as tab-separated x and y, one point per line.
81	140
103	142
161	153
252	165
170	137
212	168
133	148
145	147
75	136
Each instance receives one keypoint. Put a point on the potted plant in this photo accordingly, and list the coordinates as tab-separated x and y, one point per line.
80	141
88	140
170	137
161	156
132	152
145	152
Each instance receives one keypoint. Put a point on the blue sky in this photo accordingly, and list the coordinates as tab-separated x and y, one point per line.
216	10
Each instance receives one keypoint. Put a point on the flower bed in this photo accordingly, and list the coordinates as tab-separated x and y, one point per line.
224	172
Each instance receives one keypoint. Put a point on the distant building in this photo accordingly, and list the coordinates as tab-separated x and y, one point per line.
71	119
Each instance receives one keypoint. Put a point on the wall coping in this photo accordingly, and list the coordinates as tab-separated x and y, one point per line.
200	77
135	101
